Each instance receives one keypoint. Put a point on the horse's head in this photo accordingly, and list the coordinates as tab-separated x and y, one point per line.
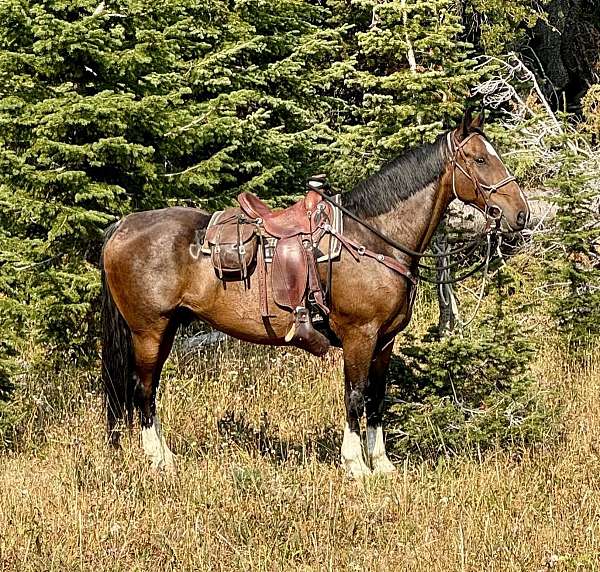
479	177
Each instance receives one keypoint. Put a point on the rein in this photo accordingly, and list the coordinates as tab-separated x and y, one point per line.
492	214
394	244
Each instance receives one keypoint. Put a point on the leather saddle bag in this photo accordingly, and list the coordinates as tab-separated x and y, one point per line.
233	244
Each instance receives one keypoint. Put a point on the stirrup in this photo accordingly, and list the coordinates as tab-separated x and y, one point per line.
302	334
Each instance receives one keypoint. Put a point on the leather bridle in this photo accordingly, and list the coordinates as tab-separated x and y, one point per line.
492	213
456	151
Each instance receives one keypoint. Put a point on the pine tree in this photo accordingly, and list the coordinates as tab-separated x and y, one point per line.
577	262
497	27
469	390
406	79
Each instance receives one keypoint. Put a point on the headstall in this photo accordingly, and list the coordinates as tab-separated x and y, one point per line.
456	151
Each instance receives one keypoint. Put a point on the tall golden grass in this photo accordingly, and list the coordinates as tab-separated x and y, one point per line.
257	434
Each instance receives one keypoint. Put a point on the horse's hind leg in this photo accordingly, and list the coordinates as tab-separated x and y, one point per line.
374	397
151	349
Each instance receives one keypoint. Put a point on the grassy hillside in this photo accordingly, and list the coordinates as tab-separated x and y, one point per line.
257	433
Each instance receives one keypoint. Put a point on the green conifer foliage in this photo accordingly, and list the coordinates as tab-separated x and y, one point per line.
12	314
406	80
497	27
471	389
577	262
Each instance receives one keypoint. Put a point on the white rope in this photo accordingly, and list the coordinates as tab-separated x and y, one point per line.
488	256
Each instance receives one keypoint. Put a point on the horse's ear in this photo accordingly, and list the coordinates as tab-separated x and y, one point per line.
465	124
478	121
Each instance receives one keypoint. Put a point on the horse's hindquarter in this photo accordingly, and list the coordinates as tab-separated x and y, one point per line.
154	267
147	260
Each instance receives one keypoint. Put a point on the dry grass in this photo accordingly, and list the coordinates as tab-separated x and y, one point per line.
259	488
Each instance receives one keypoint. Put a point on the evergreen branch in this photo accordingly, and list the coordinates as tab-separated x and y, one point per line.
36	264
189	169
186	127
412	62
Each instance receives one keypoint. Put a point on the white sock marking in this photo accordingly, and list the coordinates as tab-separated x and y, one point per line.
156	447
375	443
352	454
376	450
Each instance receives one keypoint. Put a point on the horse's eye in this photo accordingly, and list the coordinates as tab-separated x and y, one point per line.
480	160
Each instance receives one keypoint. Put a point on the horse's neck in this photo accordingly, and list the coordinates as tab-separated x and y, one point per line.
413	221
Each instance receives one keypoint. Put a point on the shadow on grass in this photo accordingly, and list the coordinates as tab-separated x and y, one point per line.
322	445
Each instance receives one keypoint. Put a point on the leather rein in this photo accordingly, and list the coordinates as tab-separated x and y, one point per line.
492	213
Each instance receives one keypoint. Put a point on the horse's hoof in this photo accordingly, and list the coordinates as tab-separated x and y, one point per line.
356	469
383	466
114	439
164	467
170	469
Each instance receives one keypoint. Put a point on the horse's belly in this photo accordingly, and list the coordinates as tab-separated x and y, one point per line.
234	308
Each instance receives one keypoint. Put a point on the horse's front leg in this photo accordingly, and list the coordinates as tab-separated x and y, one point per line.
374	399
358	351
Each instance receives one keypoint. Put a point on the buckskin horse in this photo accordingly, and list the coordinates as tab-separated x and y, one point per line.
153	279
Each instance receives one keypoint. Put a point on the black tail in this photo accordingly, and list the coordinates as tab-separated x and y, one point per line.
117	358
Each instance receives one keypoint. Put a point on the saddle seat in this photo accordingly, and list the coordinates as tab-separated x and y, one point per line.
285	223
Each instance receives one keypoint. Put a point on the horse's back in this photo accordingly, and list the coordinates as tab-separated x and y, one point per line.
172	221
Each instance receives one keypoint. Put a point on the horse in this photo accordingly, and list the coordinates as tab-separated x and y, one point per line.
152	284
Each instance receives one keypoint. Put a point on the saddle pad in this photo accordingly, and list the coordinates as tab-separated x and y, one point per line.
338	227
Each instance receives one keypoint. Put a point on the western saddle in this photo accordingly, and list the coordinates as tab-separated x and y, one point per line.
283	244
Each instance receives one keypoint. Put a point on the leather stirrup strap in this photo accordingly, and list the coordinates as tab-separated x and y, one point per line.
262	275
314	281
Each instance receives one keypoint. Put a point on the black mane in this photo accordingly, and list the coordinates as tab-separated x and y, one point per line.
398	180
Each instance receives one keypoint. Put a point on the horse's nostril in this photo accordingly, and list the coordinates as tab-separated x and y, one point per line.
495	212
521	218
